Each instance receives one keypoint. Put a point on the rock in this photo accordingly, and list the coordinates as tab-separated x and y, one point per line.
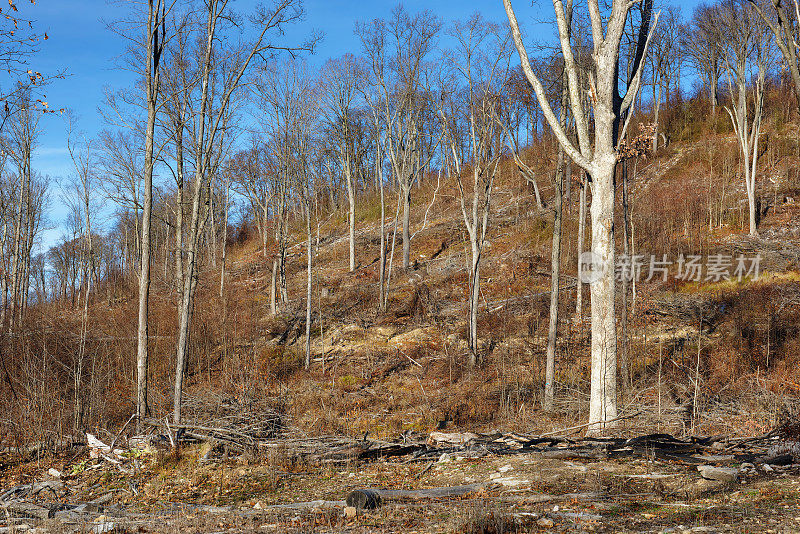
703	486
719	474
350	511
54	473
545	522
505	469
716	457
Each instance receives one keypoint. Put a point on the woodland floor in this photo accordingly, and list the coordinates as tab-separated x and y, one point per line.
523	493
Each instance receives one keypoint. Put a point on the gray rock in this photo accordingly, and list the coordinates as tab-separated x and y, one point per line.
719	474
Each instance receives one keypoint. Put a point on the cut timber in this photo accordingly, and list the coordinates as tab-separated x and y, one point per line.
27	490
370	498
27	510
440	438
309	505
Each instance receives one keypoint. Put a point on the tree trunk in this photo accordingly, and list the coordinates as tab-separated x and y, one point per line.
179	211
224	240
155	43
555	270
624	357
382	266
273	306
581	234
309	272
351	198
474	299
603	398
142	353
657	106
555	266
405	190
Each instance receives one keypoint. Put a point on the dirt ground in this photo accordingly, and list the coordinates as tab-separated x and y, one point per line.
520	493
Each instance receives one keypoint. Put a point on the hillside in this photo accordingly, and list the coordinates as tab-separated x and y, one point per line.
707	358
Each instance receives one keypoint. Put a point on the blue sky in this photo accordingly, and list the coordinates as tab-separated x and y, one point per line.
80	42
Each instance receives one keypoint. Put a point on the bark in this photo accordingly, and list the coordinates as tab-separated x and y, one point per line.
309	280
382	266
405	191
626	279
581	234
273	305
224	240
657	105
179	231
155	42
351	199
555	265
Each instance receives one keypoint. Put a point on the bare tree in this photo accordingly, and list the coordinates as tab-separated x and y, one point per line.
555	254
517	103
783	19
374	104
397	50
700	44
145	58
211	124
745	44
597	155
664	59
340	80
81	154
480	62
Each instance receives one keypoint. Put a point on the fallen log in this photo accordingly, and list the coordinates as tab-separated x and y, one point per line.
27	510
27	490
308	505
371	498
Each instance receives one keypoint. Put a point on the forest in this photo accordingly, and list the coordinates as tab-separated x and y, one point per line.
458	233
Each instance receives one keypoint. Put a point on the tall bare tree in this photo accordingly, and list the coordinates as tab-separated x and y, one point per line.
397	49
225	66
700	44
746	49
340	81
596	152
664	58
479	62
783	19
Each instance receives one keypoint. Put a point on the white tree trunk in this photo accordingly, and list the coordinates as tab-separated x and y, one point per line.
603	396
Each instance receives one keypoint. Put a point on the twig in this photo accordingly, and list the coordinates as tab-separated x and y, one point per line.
169	431
114	441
